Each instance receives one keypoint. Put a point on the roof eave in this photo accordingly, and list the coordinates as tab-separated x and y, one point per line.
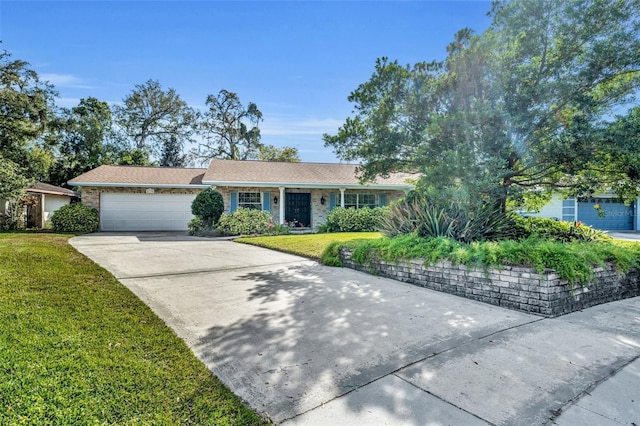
138	185
43	191
398	187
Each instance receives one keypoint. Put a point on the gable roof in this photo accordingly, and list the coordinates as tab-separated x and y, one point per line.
307	175
46	188
169	177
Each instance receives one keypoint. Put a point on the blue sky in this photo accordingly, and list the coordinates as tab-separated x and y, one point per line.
298	61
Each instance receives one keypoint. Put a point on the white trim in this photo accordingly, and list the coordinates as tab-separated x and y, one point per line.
342	197
138	185
310	185
281	206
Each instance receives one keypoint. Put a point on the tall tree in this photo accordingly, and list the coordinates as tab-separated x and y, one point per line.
156	120
26	105
171	154
515	109
285	154
229	130
84	140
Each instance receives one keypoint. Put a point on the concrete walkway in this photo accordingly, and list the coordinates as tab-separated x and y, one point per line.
312	345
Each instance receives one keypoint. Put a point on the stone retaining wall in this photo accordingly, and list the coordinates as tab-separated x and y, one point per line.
520	288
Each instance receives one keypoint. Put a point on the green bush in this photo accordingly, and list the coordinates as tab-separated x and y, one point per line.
195	225
354	220
208	205
419	216
75	217
557	230
247	222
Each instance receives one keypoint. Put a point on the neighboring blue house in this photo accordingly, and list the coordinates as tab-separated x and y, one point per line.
612	215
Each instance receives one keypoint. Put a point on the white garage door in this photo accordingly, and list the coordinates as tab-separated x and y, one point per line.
145	212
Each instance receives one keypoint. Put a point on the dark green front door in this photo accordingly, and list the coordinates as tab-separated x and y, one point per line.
298	209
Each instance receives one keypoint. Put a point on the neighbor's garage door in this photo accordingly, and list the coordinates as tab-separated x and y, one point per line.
617	216
145	212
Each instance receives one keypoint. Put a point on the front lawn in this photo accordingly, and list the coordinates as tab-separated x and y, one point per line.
77	347
307	245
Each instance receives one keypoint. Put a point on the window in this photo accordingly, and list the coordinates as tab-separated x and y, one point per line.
250	200
358	201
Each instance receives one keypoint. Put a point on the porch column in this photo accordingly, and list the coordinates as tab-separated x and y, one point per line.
281	204
42	210
342	197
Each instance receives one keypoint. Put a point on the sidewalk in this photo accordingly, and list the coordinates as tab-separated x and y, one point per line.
579	369
616	401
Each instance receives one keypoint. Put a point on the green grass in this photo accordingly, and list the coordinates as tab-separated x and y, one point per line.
307	245
77	347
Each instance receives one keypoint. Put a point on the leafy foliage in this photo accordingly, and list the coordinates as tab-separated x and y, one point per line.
557	230
573	261
247	222
26	109
354	220
426	219
158	121
225	130
519	107
83	138
12	181
208	206
273	153
75	217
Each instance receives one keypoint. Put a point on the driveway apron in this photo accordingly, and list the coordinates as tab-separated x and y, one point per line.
307	344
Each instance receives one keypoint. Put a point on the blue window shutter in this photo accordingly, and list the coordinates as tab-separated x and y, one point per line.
266	201
382	200
332	201
233	201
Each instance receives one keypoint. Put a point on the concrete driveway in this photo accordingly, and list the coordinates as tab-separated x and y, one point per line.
311	345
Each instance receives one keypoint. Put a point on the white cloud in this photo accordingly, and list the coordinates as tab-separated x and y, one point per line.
65	80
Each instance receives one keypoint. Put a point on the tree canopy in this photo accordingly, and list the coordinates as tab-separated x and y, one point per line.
273	153
83	139
26	107
157	121
229	130
518	109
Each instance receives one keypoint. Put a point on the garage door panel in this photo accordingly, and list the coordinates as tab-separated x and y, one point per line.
615	216
145	212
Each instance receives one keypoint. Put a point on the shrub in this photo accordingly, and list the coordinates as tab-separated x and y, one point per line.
354	220
75	217
12	219
208	205
557	230
247	222
425	219
197	226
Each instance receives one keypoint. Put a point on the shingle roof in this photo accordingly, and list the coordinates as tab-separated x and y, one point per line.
236	173
138	175
263	172
46	188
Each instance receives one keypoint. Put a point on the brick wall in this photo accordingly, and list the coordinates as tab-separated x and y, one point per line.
519	288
